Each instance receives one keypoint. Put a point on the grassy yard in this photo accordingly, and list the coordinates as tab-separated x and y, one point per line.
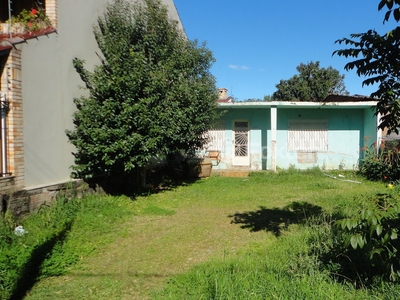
217	238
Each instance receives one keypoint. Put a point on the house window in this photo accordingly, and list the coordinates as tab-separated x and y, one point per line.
4	108
3	142
308	136
17	6
216	138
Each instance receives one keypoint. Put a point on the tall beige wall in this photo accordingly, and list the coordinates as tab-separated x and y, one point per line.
49	84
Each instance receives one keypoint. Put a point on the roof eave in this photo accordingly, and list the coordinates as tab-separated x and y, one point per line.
288	104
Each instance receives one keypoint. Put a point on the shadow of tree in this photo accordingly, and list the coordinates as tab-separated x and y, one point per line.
31	270
165	177
276	219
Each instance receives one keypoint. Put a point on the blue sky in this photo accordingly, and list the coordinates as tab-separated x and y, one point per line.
256	43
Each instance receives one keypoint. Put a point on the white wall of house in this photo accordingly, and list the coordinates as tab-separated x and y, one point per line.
49	84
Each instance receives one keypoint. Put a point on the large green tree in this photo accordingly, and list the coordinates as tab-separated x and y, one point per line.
152	94
313	83
378	59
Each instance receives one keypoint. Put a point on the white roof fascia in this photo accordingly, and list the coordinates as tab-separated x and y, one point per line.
284	104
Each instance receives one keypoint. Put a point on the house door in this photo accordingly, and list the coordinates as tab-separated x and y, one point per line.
241	144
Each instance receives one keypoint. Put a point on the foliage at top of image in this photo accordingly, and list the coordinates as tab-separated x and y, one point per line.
376	58
313	83
153	93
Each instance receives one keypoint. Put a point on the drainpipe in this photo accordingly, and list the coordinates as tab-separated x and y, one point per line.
9	18
273	137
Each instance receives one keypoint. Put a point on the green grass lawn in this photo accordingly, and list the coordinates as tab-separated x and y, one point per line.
216	238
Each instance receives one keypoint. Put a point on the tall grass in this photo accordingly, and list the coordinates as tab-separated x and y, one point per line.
56	238
260	237
291	268
284	270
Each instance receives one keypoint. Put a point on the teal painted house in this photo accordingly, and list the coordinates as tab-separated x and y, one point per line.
271	135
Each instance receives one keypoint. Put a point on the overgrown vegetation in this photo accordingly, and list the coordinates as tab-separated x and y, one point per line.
55	238
369	239
310	262
347	253
266	236
383	163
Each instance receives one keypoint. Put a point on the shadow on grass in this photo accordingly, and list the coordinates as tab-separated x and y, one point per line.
276	219
156	181
31	270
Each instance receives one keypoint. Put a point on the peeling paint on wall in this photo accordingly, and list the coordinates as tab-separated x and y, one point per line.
255	162
307	157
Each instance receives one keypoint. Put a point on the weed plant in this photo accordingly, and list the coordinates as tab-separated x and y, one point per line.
369	241
383	163
56	238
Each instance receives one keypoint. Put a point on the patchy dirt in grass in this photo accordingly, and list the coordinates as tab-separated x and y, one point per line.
150	250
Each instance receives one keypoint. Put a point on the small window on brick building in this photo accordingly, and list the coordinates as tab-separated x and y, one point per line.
4	108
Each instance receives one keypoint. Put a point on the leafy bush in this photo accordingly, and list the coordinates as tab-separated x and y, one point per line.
372	236
360	247
383	164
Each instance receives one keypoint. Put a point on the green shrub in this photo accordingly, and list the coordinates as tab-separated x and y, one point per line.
383	164
360	248
372	237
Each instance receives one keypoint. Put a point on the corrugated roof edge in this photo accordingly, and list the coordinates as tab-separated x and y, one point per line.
7	43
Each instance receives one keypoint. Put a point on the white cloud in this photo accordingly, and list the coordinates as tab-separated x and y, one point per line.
236	67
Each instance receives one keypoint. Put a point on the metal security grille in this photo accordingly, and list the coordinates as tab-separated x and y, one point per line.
217	139
308	136
241	138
